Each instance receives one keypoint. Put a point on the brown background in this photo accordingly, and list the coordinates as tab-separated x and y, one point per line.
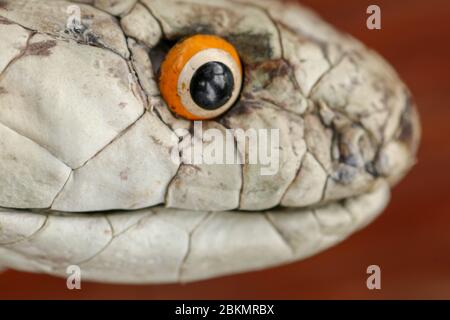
410	242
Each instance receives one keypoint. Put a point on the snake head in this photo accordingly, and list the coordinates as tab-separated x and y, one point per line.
93	160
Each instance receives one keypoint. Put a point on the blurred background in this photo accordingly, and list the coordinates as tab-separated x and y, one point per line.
410	241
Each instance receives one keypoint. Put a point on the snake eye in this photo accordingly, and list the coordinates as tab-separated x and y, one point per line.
201	77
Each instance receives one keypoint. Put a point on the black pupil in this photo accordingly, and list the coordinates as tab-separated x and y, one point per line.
212	85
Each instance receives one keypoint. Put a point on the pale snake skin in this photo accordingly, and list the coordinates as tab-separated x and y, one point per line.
84	134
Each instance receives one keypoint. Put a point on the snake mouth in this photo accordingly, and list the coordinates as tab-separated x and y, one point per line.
162	245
